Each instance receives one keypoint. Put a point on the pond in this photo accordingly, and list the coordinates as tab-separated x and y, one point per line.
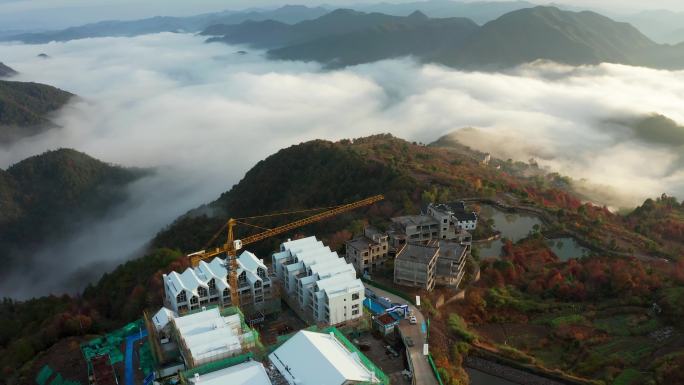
517	226
567	248
481	378
513	226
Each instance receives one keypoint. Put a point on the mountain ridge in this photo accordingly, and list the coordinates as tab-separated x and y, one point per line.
517	37
32	213
25	108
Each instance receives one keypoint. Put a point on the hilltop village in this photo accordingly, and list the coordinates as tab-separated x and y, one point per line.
307	316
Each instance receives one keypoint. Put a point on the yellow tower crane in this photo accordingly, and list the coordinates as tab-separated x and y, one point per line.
232	245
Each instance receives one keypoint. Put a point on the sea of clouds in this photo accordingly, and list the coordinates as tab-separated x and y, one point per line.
203	115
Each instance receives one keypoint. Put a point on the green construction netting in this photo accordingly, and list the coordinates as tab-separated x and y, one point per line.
110	343
382	377
59	380
218	365
147	363
43	375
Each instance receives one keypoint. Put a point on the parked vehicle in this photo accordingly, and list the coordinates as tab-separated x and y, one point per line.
409	342
413	320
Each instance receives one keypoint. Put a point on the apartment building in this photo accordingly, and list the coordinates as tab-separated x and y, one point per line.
451	260
320	284
368	251
438	222
207	284
425	265
415	265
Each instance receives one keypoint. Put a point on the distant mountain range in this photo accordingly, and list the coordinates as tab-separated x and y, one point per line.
345	37
478	11
660	25
25	108
49	195
286	14
415	35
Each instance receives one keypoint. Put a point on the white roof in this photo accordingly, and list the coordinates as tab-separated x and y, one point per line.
162	318
310	358
250	262
340	284
191	279
206	333
246	373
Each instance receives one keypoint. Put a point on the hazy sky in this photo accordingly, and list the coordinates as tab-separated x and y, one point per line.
46	14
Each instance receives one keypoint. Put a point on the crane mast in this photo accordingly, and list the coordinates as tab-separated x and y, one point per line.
232	245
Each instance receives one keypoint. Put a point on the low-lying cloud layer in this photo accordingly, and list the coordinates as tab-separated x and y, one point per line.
204	115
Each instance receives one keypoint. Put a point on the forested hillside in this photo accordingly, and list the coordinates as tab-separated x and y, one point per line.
322	174
25	108
48	196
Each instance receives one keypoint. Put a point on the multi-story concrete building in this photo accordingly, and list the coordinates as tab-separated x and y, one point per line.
208	284
415	265
368	251
452	217
434	263
451	260
322	286
439	221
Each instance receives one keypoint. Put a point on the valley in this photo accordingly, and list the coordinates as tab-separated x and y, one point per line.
428	193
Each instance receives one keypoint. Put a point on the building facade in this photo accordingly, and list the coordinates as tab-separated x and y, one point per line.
451	260
415	265
438	222
207	284
369	251
322	286
433	263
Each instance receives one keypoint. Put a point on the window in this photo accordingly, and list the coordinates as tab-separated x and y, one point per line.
257	284
226	292
261	272
242	278
355	306
202	291
181	297
355	296
212	284
355	312
194	300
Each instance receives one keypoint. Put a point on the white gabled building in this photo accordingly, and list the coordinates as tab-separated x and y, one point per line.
207	336
208	284
246	373
314	278
310	358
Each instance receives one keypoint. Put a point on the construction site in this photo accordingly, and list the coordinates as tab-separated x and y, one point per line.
232	317
302	316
